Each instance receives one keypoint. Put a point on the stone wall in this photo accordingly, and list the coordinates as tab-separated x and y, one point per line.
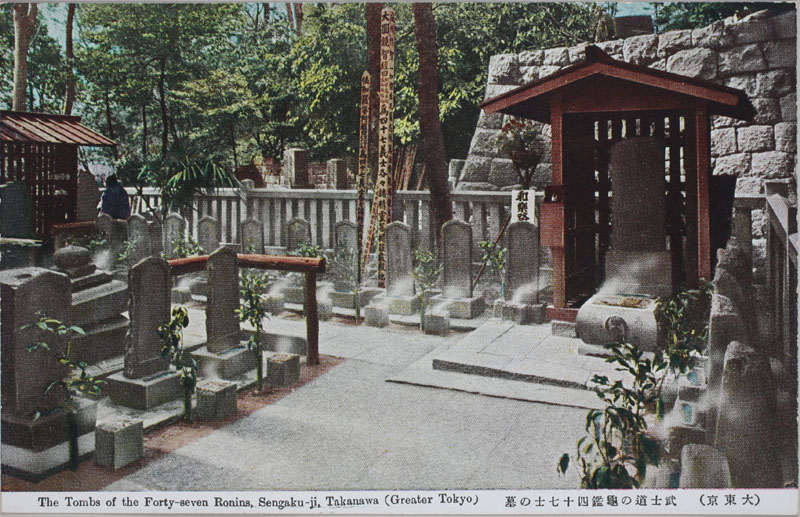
755	54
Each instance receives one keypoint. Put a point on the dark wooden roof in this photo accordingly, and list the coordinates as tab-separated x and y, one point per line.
598	69
17	126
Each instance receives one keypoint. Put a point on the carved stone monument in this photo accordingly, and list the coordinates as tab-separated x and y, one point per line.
457	272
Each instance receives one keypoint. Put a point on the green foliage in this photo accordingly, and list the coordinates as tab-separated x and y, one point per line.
425	273
685	320
495	256
523	144
252	310
616	450
78	379
127	248
306	249
188	247
172	349
693	15
90	241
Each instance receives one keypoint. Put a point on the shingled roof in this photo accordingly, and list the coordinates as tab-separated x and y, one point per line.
17	126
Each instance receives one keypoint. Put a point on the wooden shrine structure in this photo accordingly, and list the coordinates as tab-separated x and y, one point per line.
41	151
591	105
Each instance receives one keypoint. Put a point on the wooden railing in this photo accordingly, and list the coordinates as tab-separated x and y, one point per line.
486	212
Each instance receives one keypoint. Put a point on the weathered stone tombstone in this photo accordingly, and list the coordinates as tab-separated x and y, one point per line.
16	211
208	234
223	353
745	427
522	263
87	197
146	380
298	231
295	168
97	305
346	238
399	263
703	466
337	173
138	239
174	230
457	272
155	238
252	235
35	423
115	233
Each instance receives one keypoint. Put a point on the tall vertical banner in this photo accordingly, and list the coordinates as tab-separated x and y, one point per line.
361	175
385	135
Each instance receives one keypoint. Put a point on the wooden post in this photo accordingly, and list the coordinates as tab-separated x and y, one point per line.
703	161
557	159
312	320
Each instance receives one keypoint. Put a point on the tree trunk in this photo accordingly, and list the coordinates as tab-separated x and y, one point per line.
24	25
298	18
144	132
233	142
290	14
69	99
429	124
110	126
163	103
374	68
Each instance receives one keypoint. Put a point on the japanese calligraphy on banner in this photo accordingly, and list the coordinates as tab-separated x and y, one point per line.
363	155
385	135
523	206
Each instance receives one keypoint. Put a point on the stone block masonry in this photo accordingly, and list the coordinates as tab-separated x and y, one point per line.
754	54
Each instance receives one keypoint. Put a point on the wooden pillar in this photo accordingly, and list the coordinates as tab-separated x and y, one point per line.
557	159
312	321
703	162
690	211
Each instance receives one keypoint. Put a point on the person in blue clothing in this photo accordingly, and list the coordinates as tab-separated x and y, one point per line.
114	201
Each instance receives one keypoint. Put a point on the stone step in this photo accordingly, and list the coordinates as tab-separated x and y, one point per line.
99	303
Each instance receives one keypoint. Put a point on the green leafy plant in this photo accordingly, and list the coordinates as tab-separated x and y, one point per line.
90	241
77	380
306	249
124	255
522	143
252	310
425	273
495	256
617	449
188	247
171	335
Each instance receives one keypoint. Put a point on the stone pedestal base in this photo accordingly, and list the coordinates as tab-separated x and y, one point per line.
461	308
347	300
102	341
283	370
402	305
375	316
519	313
603	317
436	323
34	449
147	392
228	364
119	443
216	400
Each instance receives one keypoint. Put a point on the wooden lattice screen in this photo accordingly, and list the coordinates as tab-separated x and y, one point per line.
50	171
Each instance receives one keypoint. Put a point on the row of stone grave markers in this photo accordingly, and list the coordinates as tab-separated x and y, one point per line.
457	299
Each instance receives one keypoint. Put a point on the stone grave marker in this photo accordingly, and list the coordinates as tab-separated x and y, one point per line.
522	263
337	173
222	324
138	239
26	375
208	234
174	229
149	307
399	261
87	197
155	238
16	211
346	235
298	231
456	259
295	168
252	235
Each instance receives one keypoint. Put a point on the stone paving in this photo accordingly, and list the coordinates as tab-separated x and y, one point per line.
350	429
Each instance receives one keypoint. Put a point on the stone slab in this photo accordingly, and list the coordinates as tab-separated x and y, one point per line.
461	308
376	316
145	393
216	400
294	295
703	466
47	431
99	303
347	300
403	305
35	466
228	363
283	370
119	443
103	340
436	323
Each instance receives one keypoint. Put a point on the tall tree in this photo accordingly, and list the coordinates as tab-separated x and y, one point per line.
429	123
374	68
24	27
298	18
69	100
